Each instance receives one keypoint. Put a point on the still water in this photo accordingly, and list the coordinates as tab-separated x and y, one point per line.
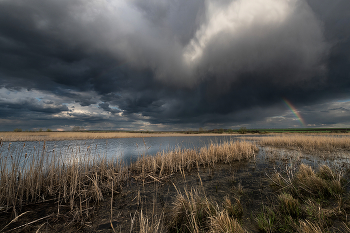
124	149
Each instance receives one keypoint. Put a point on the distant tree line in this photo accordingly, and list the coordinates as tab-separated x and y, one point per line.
78	129
242	130
40	130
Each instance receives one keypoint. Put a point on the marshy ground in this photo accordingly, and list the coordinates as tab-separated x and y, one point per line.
223	188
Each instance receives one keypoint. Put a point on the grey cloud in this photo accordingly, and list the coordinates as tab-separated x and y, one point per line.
179	18
130	54
48	102
85	102
45	109
28	107
289	53
340	109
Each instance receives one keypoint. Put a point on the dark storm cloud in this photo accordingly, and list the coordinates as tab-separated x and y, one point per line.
337	117
174	62
340	109
287	50
24	108
175	16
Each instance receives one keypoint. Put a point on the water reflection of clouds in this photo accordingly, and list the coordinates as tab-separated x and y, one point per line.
126	149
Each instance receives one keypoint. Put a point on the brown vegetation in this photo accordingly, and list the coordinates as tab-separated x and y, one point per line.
187	159
307	143
194	212
303	199
82	182
307	201
56	136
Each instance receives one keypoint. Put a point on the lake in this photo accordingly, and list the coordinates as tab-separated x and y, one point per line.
124	149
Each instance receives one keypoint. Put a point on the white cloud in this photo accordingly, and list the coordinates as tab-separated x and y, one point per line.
235	18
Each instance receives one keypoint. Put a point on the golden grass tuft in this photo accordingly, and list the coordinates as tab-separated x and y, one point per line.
326	173
310	183
150	226
289	205
305	172
309	227
223	223
233	210
191	212
194	212
188	159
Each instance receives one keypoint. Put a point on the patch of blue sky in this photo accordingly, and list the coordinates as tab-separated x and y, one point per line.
112	107
343	101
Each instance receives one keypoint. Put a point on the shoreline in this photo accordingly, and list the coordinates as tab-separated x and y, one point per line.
76	191
222	185
61	136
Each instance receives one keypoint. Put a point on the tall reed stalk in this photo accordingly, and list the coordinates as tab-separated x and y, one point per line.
177	160
38	177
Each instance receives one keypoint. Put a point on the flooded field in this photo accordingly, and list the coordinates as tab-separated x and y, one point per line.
225	188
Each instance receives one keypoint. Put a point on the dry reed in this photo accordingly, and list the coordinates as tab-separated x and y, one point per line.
26	179
309	227
194	212
308	183
308	201
223	223
307	143
150	226
188	159
56	136
35	178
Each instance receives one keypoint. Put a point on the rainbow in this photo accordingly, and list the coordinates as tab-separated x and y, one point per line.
295	111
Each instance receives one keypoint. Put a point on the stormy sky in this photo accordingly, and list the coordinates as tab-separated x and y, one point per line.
174	64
